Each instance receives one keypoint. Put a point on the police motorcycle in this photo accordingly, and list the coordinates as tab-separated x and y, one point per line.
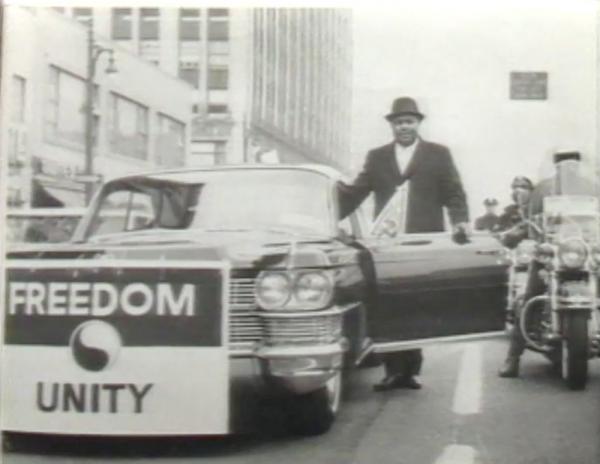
563	322
519	259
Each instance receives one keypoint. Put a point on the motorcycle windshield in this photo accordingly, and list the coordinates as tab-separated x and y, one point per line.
569	216
573	208
572	178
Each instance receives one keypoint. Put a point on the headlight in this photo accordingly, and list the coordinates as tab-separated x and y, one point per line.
523	258
572	253
596	254
294	290
273	290
544	253
524	252
313	288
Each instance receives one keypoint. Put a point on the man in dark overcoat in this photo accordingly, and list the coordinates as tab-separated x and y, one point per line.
426	173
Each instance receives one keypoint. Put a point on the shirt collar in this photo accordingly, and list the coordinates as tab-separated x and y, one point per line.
398	147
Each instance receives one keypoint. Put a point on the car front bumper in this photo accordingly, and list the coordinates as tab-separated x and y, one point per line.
300	351
302	369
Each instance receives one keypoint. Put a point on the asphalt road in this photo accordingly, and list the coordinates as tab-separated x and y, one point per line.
464	414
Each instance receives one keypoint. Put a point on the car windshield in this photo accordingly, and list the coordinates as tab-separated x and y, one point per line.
39	228
276	200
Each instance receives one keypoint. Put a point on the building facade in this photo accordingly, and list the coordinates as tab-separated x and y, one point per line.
301	85
141	115
269	83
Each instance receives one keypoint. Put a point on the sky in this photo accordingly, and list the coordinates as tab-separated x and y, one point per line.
455	58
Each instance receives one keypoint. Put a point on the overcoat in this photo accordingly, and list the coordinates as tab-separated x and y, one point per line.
434	184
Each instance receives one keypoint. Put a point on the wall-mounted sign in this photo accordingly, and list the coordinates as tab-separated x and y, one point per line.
528	85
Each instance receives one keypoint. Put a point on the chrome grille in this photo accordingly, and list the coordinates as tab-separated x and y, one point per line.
247	325
244	323
299	330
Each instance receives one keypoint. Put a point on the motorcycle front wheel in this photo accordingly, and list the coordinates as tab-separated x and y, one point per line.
575	350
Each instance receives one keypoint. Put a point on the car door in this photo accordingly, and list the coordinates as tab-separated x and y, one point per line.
429	287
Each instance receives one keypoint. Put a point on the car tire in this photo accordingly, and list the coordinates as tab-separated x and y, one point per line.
313	413
575	351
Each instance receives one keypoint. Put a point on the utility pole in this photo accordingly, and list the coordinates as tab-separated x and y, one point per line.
93	53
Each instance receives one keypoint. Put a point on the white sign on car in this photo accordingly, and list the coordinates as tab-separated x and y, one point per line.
100	347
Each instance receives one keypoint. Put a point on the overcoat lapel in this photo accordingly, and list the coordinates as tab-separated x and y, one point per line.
414	163
391	164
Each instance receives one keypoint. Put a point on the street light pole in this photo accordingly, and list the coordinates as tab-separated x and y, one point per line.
93	53
89	113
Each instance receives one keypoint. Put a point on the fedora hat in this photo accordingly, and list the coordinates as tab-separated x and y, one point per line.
404	105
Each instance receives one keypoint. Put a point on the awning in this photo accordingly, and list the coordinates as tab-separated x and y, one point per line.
42	198
56	195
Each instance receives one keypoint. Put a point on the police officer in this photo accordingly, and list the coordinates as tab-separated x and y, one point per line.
489	220
513	214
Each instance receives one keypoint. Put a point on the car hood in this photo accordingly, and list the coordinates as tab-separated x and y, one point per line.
258	249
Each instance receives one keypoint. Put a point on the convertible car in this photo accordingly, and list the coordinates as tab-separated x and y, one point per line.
183	295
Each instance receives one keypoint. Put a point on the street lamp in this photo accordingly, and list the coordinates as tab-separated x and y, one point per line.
94	52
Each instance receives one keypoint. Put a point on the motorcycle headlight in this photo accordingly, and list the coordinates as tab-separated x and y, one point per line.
544	253
524	253
273	290
523	258
596	254
313	288
572	253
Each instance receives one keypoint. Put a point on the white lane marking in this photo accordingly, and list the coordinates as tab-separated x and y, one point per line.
467	393
457	454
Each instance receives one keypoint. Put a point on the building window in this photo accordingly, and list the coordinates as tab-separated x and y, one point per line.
121	23
218	78
218	29
128	129
83	15
149	23
170	142
149	50
208	152
218	48
258	74
189	71
18	94
189	24
218	12
217	109
65	118
271	61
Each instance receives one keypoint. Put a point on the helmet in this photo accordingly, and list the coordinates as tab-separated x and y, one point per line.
565	155
522	182
490	202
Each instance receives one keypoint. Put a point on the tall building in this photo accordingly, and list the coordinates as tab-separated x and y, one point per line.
301	84
141	115
269	83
